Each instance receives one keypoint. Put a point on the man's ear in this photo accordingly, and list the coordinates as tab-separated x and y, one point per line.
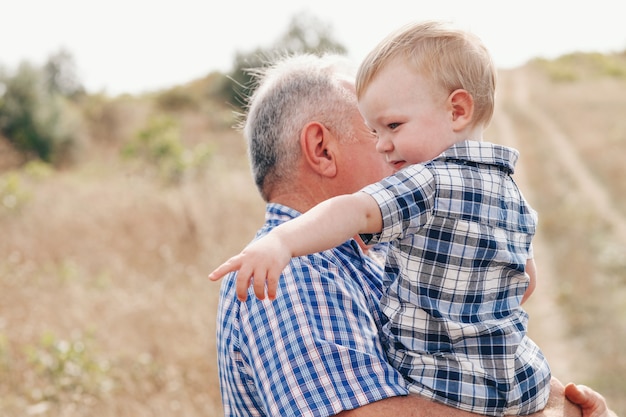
462	106
317	144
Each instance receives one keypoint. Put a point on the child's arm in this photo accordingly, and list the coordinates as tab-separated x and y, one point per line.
531	270
325	226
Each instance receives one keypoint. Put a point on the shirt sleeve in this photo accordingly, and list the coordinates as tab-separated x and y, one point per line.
405	200
315	350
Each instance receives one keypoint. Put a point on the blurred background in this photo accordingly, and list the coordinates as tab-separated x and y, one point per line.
123	182
137	46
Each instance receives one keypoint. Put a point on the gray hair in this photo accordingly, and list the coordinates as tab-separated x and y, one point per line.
292	92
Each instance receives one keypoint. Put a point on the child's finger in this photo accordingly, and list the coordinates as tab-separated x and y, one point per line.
258	281
272	284
228	266
243	283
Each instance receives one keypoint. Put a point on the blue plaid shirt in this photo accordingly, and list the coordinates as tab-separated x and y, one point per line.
315	350
460	233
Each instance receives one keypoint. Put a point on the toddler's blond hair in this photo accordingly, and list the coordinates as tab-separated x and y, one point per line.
452	58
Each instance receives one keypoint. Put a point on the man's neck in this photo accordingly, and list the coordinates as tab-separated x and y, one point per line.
300	195
303	201
295	200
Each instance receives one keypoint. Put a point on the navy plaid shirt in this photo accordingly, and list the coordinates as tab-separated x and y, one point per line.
315	350
460	233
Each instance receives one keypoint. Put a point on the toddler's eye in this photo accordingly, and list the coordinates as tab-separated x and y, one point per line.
392	126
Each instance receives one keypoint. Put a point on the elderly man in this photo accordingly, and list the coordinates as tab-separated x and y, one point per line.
315	350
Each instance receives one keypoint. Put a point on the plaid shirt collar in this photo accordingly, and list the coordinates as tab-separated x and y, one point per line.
476	153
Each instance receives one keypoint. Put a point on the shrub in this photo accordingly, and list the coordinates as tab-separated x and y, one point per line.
67	367
158	147
36	119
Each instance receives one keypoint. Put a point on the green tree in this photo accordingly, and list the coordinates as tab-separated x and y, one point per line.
61	74
23	117
305	33
35	114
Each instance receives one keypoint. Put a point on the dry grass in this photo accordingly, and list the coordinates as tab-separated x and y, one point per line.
105	309
572	137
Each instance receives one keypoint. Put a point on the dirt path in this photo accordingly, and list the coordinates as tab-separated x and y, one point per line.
597	194
548	324
576	313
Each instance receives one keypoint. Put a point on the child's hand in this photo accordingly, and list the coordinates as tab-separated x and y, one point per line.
262	262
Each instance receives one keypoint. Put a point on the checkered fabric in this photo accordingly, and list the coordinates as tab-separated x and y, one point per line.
315	350
460	233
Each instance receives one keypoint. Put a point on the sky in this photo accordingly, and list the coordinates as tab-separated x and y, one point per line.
135	46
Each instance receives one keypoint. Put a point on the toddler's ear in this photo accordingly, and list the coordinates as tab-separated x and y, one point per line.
462	106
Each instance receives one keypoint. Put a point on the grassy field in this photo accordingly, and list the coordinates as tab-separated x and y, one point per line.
105	309
566	117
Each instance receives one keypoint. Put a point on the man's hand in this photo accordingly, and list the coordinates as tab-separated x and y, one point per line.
592	403
558	405
573	400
